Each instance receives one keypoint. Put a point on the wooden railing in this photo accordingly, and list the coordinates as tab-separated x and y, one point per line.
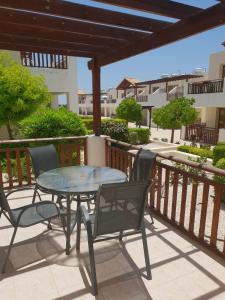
143	98
215	86
44	60
201	134
183	192
15	163
173	96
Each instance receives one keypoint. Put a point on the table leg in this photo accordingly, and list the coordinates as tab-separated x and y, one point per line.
78	223
68	224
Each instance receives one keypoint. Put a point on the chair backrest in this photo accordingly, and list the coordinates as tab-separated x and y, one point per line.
120	206
5	206
142	166
43	159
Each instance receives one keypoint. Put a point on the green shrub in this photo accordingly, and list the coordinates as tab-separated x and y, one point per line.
85	117
52	123
218	152
142	135
221	165
88	123
89	132
133	137
220	179
116	129
195	150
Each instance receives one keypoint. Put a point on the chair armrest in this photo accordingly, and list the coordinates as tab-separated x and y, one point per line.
18	190
26	207
85	215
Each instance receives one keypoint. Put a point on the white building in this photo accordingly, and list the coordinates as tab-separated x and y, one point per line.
110	98
210	94
60	76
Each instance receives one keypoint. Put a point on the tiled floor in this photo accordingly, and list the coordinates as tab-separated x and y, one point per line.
39	268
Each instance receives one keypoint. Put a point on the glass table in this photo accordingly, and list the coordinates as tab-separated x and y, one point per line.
77	181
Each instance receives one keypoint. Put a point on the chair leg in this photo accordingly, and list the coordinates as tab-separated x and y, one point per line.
149	211
59	201
78	225
88	205
1	213
34	195
121	235
49	226
145	246
92	262
9	250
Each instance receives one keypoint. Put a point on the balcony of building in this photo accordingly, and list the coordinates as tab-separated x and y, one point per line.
186	241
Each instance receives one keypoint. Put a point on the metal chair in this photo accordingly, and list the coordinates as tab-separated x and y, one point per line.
27	216
142	167
119	207
44	158
143	163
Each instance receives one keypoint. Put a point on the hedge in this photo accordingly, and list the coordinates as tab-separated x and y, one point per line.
52	123
221	179
115	128
139	135
195	150
218	152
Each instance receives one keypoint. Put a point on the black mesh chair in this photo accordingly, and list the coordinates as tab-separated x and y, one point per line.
142	167
27	216
119	207
44	158
143	163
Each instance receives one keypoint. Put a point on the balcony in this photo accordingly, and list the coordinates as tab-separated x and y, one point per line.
183	242
202	134
206	87
43	60
143	98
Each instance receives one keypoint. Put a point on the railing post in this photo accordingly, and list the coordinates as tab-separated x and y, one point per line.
96	154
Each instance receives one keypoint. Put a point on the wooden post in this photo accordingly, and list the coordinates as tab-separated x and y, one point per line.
96	86
150	117
135	91
167	91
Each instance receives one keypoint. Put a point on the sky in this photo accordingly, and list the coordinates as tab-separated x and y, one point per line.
180	57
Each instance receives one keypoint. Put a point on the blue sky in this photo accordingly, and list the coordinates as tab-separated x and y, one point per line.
180	57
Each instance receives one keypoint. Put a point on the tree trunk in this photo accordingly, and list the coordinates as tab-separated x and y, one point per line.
172	136
9	129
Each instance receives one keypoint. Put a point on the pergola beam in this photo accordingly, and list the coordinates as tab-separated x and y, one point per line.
161	7
67	25
50	34
207	19
58	45
87	13
40	49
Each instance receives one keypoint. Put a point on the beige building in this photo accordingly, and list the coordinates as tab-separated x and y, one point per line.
210	94
110	98
60	76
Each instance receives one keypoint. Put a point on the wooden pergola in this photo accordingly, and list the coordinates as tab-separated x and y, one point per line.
106	36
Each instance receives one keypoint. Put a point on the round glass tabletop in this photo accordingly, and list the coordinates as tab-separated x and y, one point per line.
78	179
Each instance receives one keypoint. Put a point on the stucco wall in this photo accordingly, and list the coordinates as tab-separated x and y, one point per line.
157	100
59	81
209	115
216	61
